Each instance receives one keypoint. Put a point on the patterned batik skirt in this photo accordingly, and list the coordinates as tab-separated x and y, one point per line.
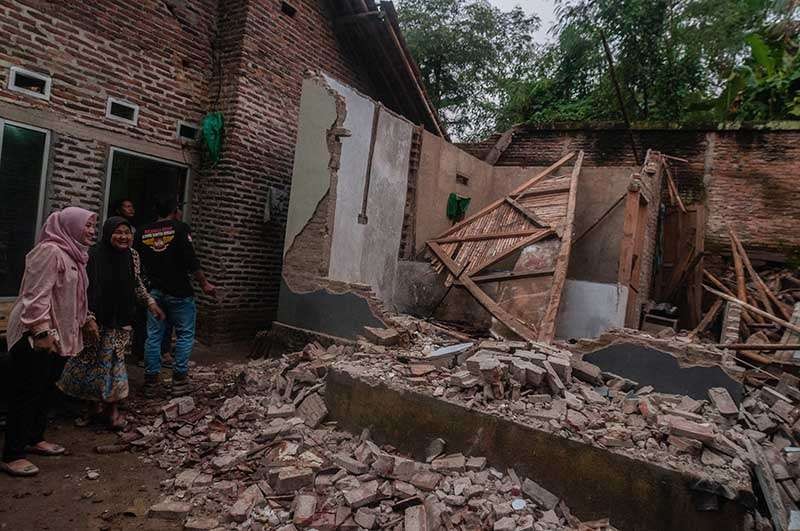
98	373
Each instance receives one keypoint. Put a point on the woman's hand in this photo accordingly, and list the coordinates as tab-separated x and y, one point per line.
156	310
46	343
91	331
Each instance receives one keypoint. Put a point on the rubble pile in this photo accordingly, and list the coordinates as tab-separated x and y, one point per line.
252	450
553	390
784	283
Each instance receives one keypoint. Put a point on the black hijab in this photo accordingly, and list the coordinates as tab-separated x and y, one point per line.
112	283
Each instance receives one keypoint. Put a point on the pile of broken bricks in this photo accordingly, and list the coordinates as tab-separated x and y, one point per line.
555	390
551	389
251	450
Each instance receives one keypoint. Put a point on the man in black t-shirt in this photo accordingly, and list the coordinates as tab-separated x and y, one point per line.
168	258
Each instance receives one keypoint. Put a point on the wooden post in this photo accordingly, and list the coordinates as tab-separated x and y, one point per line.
548	326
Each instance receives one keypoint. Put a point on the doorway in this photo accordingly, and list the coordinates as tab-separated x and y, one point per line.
142	179
23	170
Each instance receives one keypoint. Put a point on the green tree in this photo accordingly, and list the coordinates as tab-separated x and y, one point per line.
767	85
673	58
471	56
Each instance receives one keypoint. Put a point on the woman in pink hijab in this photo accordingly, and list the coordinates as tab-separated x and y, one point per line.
47	320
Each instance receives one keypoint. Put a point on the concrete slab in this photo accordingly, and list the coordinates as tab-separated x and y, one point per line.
649	366
336	314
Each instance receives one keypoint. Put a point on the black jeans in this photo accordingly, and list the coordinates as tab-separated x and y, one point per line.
139	334
31	378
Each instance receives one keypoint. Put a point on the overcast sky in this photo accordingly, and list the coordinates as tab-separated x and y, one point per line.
543	8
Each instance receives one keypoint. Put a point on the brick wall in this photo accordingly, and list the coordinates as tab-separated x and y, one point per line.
266	62
138	51
178	59
746	177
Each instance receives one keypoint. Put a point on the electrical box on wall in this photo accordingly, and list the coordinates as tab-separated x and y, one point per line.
276	202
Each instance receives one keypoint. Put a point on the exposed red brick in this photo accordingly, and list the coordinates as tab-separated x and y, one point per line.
746	177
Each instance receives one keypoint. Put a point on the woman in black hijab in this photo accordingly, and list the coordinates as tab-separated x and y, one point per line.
98	373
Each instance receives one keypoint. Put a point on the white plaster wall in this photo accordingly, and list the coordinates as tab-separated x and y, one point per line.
311	178
386	204
368	253
348	236
590	308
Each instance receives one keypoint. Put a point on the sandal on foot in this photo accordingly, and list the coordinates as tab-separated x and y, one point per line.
50	450
20	468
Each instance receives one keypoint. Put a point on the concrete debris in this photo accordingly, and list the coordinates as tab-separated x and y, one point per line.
312	410
201	524
721	398
415	519
539	495
382	336
230	407
248	499
169	510
255	447
304	508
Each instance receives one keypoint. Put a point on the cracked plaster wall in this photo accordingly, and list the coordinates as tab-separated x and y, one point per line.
325	243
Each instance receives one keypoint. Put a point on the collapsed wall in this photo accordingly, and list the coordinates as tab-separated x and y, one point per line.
596	271
346	211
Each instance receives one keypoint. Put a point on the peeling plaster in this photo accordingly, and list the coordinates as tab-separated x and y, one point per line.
311	176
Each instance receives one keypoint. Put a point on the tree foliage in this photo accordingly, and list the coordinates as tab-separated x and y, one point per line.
767	85
469	53
676	61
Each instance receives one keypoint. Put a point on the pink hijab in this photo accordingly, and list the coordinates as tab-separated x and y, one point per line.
65	229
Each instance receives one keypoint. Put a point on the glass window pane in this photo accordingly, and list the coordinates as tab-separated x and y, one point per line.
21	162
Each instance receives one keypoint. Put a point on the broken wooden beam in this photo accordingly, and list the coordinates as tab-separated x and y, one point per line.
510	275
708	318
538	236
533	218
544	191
521	188
753	309
763	290
487	236
547	328
501	145
673	187
747	318
515	325
759	346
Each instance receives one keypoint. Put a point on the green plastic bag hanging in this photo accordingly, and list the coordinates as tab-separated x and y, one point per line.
457	207
212	126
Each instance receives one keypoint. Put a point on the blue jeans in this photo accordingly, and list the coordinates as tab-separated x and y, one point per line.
181	313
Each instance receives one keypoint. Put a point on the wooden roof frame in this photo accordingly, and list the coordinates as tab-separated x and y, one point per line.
462	271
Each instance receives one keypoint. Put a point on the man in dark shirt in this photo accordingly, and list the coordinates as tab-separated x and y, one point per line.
168	259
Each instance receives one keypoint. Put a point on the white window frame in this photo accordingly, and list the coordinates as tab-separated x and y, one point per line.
42	178
181	123
187	188
119	101
12	77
